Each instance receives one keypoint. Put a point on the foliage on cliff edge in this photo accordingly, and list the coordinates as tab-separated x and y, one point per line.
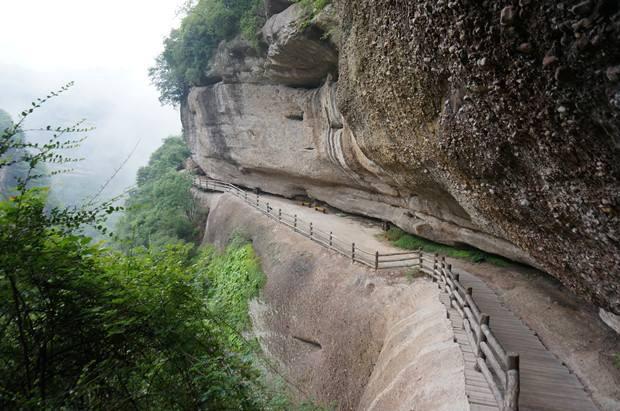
188	49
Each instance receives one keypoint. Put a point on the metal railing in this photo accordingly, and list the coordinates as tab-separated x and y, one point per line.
372	259
500	369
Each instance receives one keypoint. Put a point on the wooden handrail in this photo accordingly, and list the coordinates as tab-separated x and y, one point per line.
500	370
369	258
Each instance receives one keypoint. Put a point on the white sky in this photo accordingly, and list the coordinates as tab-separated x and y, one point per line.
106	47
85	34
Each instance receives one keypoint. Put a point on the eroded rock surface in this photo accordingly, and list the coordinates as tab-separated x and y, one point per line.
493	124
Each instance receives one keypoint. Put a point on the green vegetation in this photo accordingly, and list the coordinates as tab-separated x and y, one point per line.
235	277
188	49
617	360
314	6
161	209
408	241
84	326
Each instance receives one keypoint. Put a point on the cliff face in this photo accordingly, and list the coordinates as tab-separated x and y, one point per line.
493	124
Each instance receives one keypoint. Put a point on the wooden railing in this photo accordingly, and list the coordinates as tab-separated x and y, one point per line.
500	369
372	259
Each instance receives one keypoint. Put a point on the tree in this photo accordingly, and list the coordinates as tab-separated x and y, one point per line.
188	49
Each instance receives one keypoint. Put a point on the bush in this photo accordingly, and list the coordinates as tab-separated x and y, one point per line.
89	328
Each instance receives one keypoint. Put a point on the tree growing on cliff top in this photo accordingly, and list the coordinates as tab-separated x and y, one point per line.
188	49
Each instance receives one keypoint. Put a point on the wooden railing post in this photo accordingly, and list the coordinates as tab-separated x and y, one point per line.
484	320
268	211
310	229
511	392
353	251
452	297
421	261
376	260
295	222
279	214
455	276
257	199
443	275
245	196
330	238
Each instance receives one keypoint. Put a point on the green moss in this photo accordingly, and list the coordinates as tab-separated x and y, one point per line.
407	241
312	8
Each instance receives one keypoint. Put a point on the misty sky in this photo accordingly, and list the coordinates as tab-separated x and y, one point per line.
106	47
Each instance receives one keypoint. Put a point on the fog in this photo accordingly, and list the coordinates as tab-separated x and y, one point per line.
106	48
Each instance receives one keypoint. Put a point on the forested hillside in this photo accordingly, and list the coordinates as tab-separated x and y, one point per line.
161	210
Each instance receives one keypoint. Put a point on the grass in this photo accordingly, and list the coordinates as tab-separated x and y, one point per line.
401	239
616	360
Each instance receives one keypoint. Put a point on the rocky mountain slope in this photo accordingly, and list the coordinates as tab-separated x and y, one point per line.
493	124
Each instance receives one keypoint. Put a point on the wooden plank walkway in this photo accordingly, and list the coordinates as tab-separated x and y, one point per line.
546	383
476	387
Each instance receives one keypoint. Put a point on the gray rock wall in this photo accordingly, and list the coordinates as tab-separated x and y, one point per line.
445	118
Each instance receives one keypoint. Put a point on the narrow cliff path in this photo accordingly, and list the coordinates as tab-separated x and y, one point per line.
546	383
